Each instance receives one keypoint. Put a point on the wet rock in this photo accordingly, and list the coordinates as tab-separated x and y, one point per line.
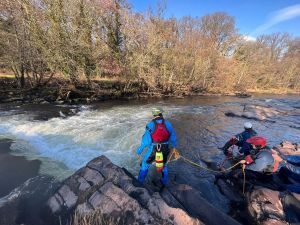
265	204
24	204
202	181
291	206
242	95
288	148
197	206
256	112
273	222
64	113
211	193
228	189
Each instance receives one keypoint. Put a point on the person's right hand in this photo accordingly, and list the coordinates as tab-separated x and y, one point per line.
243	161
175	153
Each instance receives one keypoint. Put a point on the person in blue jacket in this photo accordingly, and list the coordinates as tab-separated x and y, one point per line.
239	139
159	138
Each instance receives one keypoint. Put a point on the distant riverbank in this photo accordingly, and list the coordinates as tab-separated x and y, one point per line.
60	92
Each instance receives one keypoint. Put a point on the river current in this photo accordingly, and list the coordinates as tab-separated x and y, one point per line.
115	128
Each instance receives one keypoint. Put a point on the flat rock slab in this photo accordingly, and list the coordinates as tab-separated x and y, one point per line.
198	207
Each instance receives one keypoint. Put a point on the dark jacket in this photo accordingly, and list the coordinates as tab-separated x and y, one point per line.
244	136
239	139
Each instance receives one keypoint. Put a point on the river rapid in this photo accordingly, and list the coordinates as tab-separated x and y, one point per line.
114	129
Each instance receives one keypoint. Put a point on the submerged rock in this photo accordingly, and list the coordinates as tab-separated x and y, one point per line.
23	205
256	112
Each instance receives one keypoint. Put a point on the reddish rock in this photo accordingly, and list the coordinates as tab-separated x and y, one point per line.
264	203
288	148
158	207
273	222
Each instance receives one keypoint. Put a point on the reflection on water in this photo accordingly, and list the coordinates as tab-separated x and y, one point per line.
115	128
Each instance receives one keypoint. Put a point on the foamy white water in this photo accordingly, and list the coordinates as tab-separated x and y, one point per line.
65	145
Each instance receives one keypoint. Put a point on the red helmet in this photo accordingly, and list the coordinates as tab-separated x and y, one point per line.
259	142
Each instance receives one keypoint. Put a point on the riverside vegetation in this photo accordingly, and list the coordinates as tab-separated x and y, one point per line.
103	47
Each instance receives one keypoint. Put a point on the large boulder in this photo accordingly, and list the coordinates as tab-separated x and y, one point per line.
267	206
115	194
265	203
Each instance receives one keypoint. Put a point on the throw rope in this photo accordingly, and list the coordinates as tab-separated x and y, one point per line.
244	175
177	156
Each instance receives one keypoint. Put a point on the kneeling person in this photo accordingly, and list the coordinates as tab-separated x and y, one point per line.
239	139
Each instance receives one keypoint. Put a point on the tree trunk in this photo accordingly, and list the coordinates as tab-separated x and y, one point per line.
22	78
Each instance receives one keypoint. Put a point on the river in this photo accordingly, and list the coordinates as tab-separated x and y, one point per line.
114	129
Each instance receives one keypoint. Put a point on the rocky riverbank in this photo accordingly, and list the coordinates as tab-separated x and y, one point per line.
114	195
62	92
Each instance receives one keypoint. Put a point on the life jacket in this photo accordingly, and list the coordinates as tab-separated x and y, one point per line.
160	133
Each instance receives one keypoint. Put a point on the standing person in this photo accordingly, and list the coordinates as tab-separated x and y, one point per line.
159	138
240	138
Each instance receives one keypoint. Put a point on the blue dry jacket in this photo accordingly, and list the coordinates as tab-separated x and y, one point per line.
147	140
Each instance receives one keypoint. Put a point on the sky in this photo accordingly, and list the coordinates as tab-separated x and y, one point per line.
253	17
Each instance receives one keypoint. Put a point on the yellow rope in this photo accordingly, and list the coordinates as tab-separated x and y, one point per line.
178	156
244	174
169	160
216	171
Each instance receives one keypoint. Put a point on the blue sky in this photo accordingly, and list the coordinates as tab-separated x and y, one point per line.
253	17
